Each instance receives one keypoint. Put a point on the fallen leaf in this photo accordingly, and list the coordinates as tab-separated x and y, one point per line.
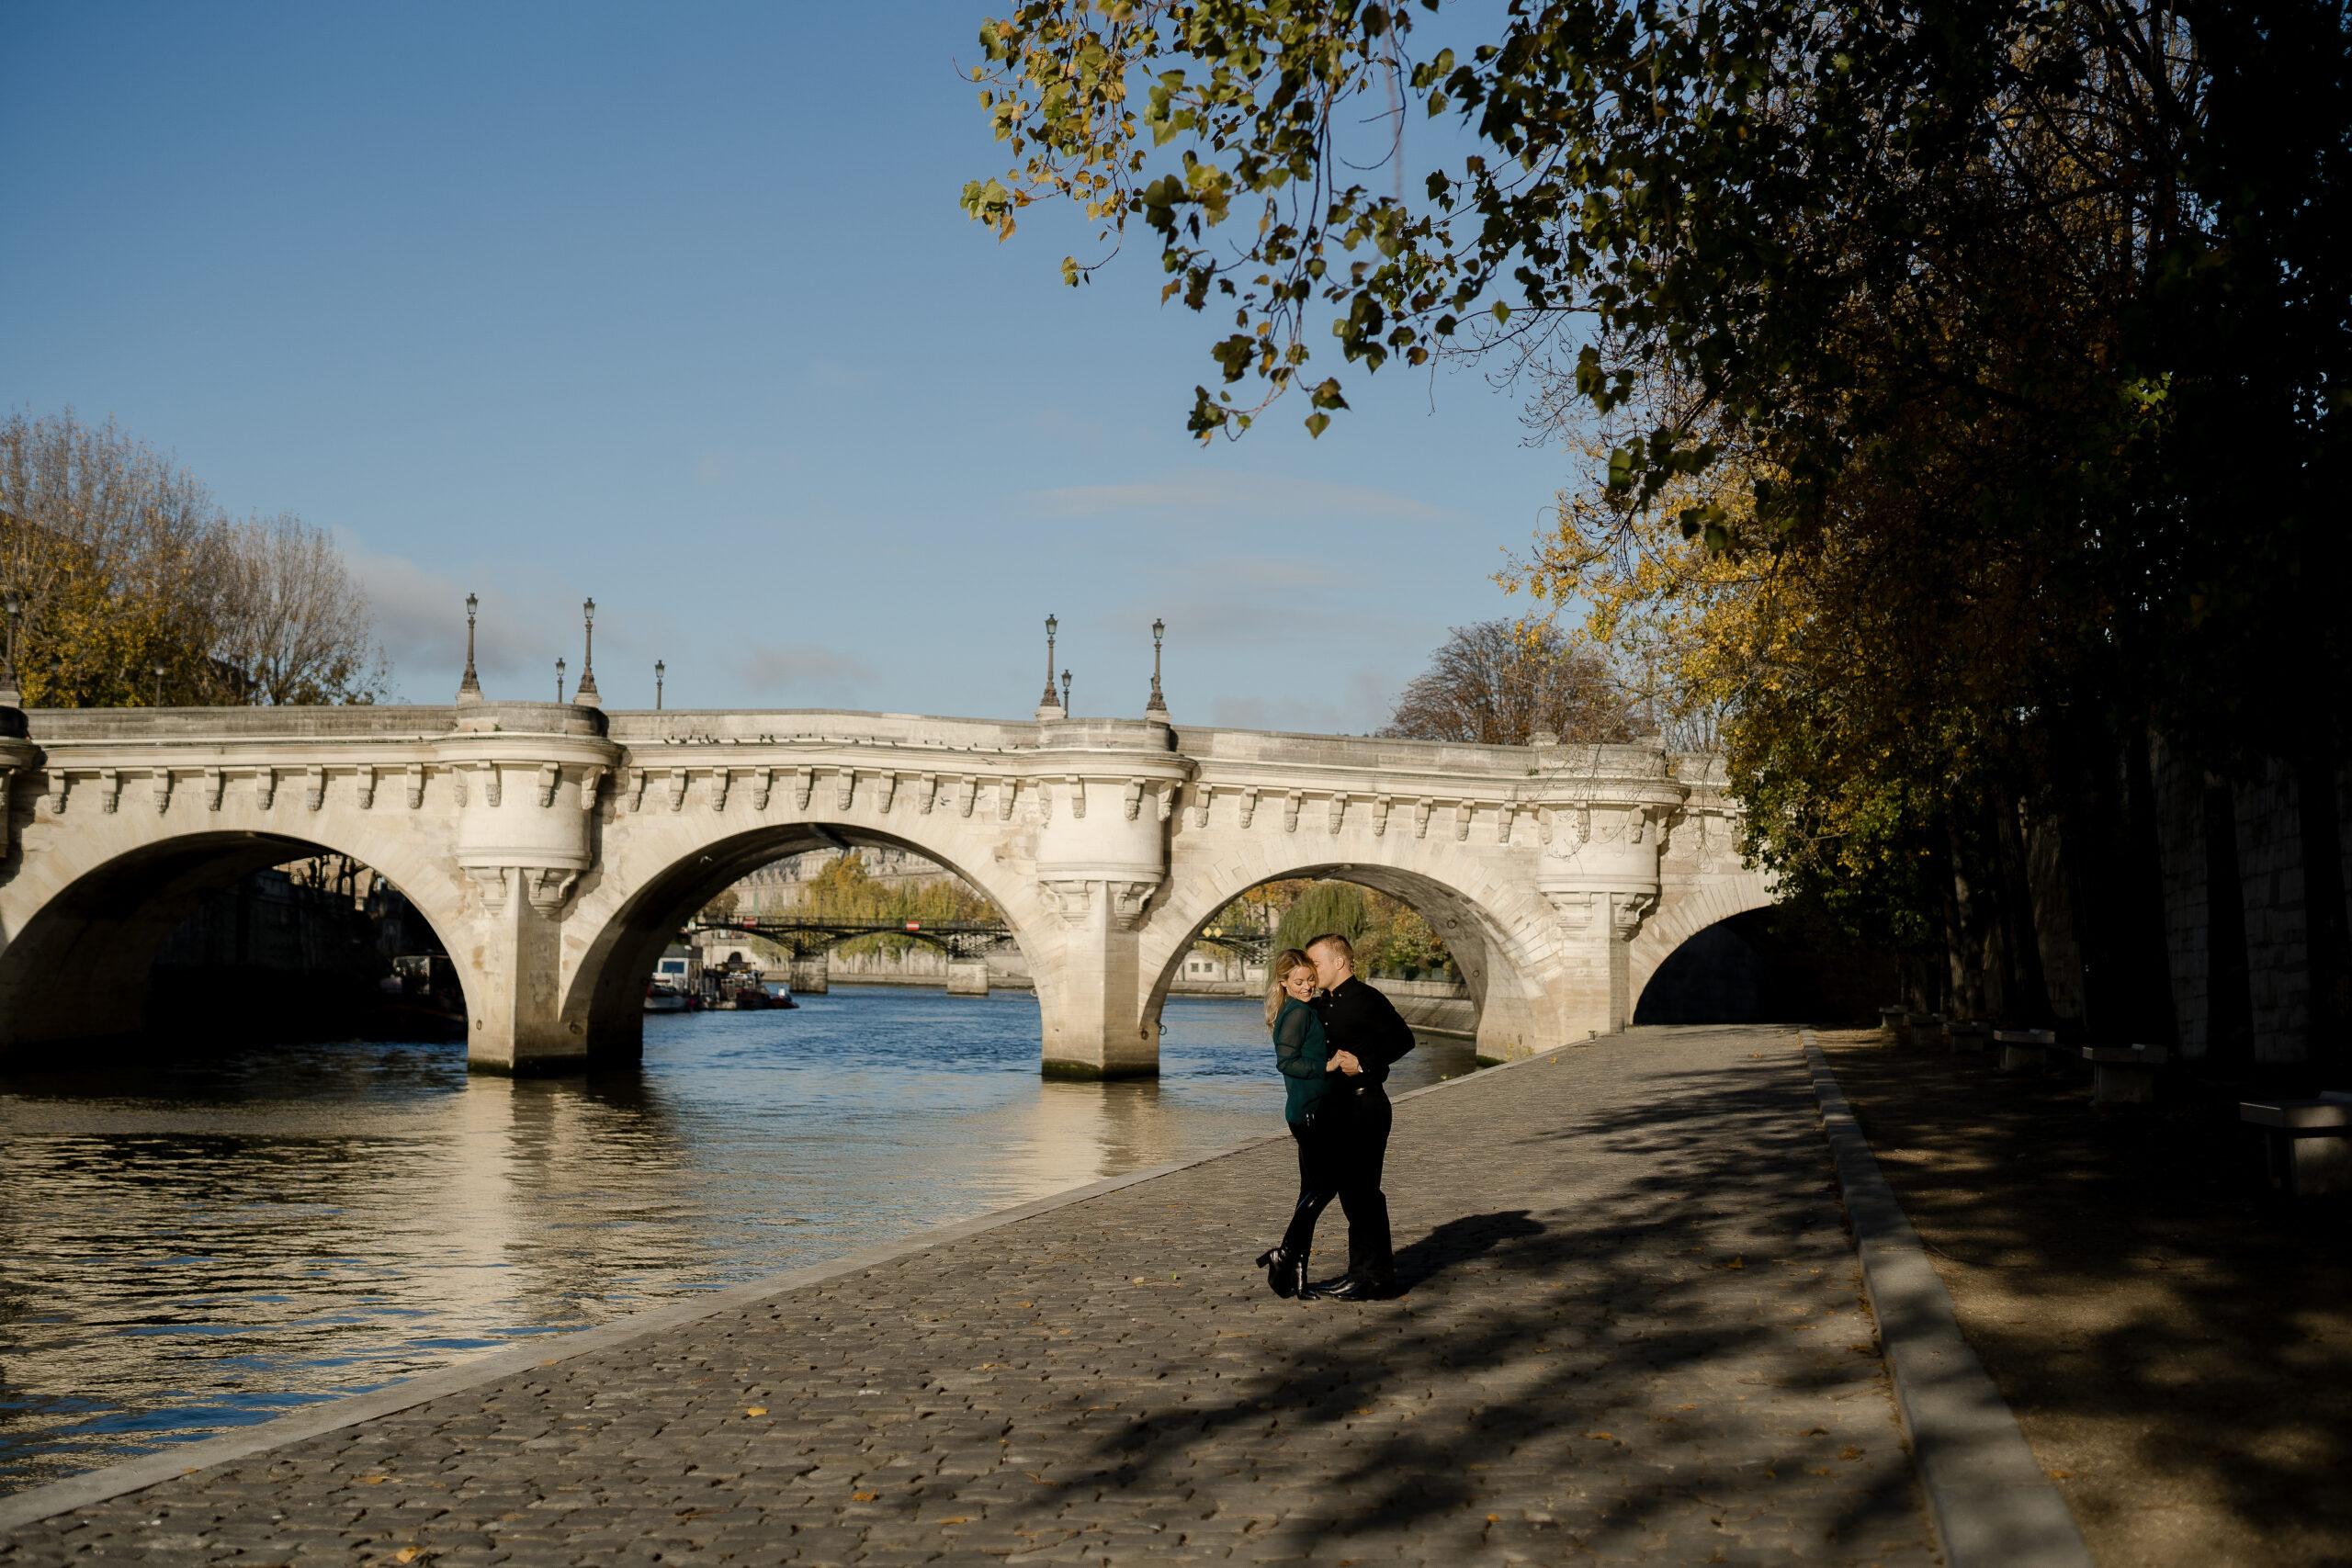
864	1497
1850	1453
373	1480
1600	1436
1735	1263
755	1410
405	1554
959	1519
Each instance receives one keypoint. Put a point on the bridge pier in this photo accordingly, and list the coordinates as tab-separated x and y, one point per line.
811	974
968	976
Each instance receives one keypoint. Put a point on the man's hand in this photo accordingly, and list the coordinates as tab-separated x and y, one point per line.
1346	1062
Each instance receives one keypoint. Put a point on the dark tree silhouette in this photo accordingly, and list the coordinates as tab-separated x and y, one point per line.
1500	682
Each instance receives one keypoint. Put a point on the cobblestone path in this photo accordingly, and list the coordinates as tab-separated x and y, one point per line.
1632	1333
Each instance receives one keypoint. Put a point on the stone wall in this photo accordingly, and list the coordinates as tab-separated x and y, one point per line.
2267	846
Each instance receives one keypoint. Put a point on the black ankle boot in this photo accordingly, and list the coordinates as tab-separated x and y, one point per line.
1299	1285
1284	1274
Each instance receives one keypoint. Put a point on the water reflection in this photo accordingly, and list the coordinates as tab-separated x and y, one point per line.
185	1248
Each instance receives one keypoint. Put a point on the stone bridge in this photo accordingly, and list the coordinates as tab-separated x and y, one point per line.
556	848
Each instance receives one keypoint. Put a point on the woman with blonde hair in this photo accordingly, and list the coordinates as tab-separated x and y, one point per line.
1303	1055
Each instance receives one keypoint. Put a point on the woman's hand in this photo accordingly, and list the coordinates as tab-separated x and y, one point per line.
1346	1062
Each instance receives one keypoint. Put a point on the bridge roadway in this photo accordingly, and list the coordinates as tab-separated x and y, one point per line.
556	848
1632	1333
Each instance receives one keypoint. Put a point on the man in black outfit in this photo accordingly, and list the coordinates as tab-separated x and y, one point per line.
1365	1035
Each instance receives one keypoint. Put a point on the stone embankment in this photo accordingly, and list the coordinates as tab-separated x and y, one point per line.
1630	1332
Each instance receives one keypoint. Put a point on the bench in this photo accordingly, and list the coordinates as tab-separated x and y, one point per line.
2024	1049
1926	1028
2123	1075
1967	1034
2307	1143
1893	1021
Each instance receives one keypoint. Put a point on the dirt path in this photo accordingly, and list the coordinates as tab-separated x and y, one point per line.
2176	1345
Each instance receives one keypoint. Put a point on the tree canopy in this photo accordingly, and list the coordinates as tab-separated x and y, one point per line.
1959	384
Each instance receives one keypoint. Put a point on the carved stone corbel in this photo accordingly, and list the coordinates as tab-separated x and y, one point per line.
1007	790
1462	811
677	789
1422	817
1338	812
1291	799
804	783
1128	900
550	775
493	882
1505	815
889	787
110	789
216	784
163	787
1248	806
845	788
1574	911
457	783
926	793
762	786
1379	816
968	790
633	788
365	781
1133	801
57	787
314	788
1163	801
493	784
1627	911
416	785
1077	799
592	779
548	886
1203	794
1069	899
722	780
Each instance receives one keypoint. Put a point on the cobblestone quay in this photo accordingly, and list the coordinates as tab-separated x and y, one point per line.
1632	1333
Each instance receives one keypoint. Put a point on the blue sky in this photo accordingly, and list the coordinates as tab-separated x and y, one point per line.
673	305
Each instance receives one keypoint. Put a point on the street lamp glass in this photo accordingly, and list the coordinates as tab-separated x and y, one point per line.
588	611
471	603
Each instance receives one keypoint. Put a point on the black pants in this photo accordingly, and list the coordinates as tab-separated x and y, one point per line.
1319	1148
1363	1151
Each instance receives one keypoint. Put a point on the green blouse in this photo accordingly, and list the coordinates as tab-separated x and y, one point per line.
1303	1054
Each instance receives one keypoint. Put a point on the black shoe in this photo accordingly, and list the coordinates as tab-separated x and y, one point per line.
1284	1273
1354	1287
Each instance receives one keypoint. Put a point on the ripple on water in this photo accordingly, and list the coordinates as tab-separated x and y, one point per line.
193	1247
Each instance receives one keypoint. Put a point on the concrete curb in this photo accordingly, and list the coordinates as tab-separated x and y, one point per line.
1992	1506
39	1503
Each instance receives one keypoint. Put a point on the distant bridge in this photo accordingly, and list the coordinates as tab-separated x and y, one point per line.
808	937
556	849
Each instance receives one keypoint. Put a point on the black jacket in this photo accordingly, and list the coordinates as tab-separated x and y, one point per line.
1358	1018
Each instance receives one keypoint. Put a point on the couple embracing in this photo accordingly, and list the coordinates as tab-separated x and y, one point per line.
1334	1038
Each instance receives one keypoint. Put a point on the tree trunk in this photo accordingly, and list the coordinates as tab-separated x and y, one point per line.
2329	1010
2026	986
2229	987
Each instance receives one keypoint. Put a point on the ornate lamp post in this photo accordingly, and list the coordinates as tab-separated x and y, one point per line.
1157	707
157	671
469	688
1048	705
658	669
559	678
1065	693
585	693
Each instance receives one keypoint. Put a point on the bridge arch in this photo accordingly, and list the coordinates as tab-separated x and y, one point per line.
1499	936
624	914
80	928
1693	910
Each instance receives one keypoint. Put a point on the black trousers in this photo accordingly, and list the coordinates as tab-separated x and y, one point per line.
1319	1145
1363	1150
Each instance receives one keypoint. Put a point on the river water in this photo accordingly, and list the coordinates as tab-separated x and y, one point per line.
189	1248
